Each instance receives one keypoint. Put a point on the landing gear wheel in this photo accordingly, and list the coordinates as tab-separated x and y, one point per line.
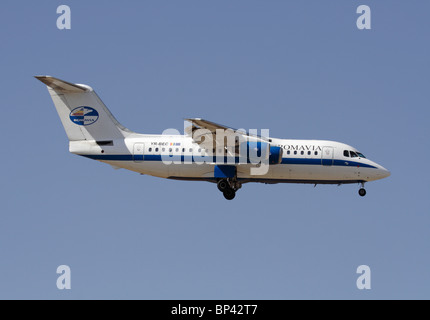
229	194
362	192
223	185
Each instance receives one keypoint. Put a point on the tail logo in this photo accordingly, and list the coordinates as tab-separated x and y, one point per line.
84	116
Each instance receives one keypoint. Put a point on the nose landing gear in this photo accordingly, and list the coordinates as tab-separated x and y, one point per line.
362	191
228	188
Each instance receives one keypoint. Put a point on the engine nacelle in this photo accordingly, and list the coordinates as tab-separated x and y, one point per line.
275	155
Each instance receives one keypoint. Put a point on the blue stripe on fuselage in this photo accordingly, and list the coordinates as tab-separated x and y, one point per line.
188	159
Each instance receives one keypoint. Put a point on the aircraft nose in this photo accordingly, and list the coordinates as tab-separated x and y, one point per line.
384	172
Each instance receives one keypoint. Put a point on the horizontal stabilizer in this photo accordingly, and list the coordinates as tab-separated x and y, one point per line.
61	85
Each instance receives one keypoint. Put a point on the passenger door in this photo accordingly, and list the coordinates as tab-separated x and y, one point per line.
327	156
138	152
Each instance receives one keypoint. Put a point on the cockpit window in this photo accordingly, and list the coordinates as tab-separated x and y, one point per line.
353	154
361	155
346	153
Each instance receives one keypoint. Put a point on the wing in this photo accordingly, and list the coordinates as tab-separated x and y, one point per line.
203	128
219	139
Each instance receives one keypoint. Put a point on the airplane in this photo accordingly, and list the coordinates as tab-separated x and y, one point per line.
207	151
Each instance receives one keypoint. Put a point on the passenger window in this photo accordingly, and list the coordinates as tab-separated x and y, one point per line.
150	149
295	152
316	153
191	150
309	153
170	149
346	153
183	150
200	150
156	149
164	149
177	149
288	152
353	154
302	153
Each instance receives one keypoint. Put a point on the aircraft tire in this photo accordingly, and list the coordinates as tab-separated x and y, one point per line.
229	194
362	192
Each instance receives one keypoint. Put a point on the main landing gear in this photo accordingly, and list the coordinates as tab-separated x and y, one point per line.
362	191
228	188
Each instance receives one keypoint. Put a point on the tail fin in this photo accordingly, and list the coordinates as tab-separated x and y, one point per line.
83	114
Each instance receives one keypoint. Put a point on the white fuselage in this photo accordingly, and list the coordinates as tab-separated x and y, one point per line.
303	161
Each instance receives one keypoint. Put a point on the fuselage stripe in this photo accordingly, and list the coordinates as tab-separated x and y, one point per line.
188	159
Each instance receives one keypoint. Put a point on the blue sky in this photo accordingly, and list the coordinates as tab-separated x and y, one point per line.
299	68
